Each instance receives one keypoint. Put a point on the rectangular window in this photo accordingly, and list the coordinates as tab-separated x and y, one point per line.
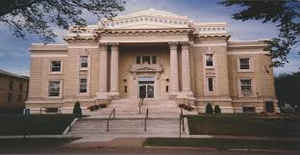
83	85
146	60
167	89
125	89
210	84
249	109
21	87
209	60
20	98
11	85
54	89
55	66
138	60
9	97
246	87
84	62
153	59
244	63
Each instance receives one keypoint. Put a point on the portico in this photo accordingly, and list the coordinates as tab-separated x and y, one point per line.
141	73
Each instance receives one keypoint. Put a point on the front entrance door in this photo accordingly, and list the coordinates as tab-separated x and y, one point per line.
146	87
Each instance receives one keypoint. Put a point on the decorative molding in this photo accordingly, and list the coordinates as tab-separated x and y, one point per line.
47	55
247	53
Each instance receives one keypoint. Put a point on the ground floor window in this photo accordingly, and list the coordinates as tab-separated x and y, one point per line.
246	87
249	109
83	85
54	89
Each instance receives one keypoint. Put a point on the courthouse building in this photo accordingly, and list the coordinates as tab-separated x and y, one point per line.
153	54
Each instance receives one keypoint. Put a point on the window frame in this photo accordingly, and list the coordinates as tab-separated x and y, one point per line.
241	89
51	66
60	89
250	64
140	59
86	85
87	62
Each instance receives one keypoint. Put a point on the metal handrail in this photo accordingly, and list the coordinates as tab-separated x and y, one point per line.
111	116
181	123
141	102
145	119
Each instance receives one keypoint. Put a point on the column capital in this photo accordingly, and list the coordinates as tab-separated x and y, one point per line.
113	44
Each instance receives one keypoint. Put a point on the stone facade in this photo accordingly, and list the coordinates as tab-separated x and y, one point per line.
13	92
153	54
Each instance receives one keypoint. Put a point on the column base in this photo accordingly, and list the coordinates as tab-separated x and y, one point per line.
114	95
185	94
103	96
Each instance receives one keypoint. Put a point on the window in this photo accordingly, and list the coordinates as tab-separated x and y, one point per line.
249	109
138	60
167	89
245	63
246	87
11	85
51	110
84	62
153	59
125	89
55	66
210	84
9	97
54	89
21	87
83	85
146	60
209	60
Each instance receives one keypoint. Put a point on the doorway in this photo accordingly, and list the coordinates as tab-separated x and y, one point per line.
146	87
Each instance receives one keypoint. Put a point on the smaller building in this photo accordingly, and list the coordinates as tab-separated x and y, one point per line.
13	92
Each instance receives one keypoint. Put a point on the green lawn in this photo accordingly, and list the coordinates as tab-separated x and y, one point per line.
223	144
34	124
244	125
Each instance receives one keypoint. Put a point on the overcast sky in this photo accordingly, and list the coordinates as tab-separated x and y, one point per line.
14	54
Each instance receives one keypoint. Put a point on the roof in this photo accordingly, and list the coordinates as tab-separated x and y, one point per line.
3	72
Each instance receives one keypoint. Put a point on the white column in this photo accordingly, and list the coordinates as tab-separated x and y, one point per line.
186	72
114	73
103	72
174	68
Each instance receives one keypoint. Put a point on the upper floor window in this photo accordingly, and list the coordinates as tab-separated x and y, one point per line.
246	87
9	97
244	63
83	85
21	87
55	66
11	85
210	84
209	62
84	62
54	89
146	60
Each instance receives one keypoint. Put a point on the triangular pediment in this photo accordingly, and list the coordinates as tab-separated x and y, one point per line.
147	19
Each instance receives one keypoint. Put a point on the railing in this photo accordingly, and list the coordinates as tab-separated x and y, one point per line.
111	116
181	123
141	103
145	119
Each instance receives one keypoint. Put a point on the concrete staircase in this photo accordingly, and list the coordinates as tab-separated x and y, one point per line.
126	108
96	129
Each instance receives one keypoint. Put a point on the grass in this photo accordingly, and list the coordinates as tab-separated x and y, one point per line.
223	144
34	124
241	125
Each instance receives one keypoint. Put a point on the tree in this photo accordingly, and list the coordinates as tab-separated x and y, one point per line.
287	88
209	109
77	109
39	16
283	13
217	109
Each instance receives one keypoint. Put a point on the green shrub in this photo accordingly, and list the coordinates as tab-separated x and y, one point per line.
77	109
209	109
217	109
